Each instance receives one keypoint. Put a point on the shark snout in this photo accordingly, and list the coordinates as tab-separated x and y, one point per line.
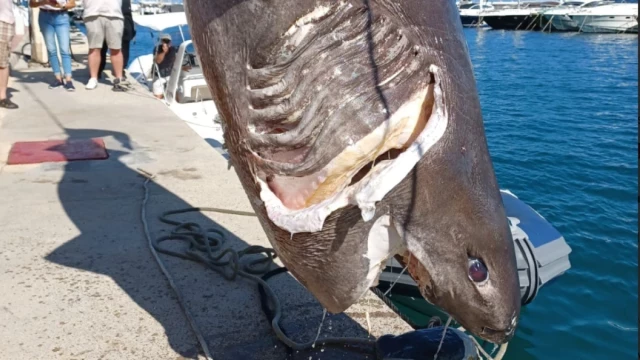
500	335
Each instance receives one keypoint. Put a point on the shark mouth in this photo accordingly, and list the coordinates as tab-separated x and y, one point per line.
364	172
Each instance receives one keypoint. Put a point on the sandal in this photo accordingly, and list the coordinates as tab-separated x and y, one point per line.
7	104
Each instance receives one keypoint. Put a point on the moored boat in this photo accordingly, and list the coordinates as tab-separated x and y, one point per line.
471	13
557	18
611	18
523	17
560	18
186	92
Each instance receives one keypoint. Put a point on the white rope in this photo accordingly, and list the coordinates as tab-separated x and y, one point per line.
549	24
498	356
143	215
398	278
444	333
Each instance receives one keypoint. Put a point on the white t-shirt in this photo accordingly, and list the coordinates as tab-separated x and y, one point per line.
110	8
49	7
6	12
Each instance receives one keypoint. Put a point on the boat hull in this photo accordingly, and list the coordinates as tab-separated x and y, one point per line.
606	23
563	23
470	21
513	22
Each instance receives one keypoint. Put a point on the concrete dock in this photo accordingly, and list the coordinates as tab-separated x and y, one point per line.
78	279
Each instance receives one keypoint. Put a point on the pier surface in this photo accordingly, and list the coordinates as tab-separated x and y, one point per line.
78	279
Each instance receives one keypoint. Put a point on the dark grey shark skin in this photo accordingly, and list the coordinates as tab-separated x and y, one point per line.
290	108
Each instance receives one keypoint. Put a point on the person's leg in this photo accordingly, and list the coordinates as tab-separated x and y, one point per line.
6	35
62	28
114	30
103	59
125	53
4	74
158	88
47	27
95	37
116	62
94	62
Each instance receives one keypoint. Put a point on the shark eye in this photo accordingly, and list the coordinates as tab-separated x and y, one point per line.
478	272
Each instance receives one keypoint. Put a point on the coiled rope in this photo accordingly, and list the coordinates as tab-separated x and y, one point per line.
205	247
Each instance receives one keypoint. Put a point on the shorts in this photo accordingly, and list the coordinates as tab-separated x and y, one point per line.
101	28
158	86
6	36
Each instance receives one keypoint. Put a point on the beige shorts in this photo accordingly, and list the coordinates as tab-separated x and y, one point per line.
6	36
101	28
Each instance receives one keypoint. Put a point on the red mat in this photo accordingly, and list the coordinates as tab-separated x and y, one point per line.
35	152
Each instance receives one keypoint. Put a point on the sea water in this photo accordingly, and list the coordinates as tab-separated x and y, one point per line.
561	117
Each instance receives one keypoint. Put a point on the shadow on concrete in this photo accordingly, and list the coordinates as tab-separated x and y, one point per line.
80	77
10	92
103	199
218	147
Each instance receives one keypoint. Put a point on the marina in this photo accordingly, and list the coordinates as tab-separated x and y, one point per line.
585	16
547	270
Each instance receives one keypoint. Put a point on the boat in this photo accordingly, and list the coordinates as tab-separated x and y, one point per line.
154	7
149	7
471	13
611	18
542	256
186	92
525	16
560	18
77	12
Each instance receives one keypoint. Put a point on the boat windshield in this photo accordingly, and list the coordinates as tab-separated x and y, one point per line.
596	4
192	86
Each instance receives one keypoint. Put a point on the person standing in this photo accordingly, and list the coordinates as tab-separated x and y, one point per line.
54	23
104	22
128	34
7	31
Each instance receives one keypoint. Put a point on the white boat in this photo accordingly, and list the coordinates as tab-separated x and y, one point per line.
612	18
77	11
154	7
524	16
560	17
471	13
186	92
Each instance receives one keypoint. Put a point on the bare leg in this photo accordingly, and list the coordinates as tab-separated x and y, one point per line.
103	58
4	82
94	62
117	62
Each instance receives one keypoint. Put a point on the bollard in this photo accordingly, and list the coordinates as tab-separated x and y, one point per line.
38	48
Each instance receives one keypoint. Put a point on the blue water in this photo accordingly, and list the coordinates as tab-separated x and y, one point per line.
561	115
